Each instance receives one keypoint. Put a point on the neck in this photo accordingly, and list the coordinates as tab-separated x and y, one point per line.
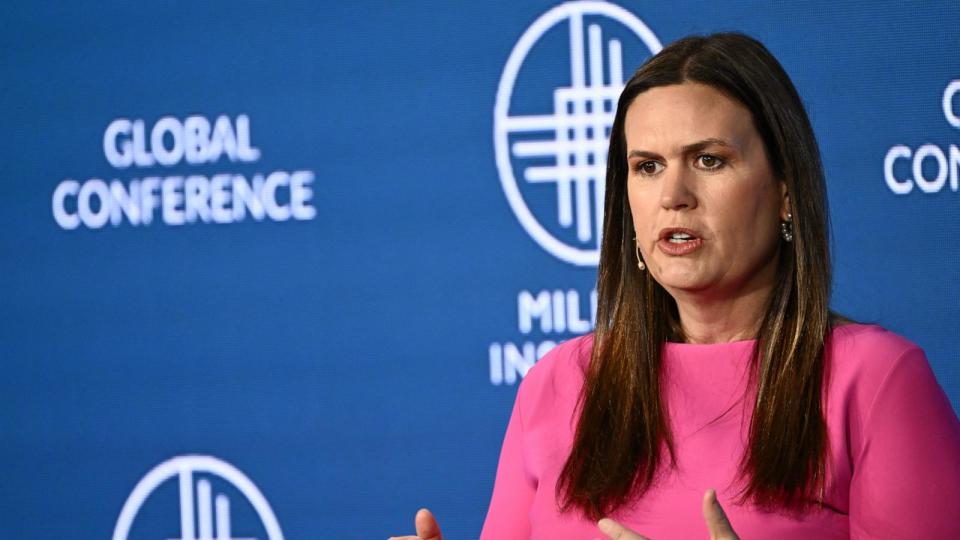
707	319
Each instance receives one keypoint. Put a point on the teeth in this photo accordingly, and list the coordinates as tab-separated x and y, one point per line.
679	237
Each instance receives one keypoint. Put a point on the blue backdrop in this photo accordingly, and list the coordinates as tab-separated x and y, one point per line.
291	259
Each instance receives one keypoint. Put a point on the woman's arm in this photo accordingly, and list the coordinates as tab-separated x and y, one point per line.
906	476
513	489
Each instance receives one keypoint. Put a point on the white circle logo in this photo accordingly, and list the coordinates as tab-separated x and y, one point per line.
580	118
204	516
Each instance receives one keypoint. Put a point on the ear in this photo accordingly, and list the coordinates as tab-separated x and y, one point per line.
784	201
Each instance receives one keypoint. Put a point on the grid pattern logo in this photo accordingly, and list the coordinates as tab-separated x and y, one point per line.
202	516
574	159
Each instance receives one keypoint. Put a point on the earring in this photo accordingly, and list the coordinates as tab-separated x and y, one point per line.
786	228
640	264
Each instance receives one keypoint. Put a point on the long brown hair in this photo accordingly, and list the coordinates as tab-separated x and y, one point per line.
623	437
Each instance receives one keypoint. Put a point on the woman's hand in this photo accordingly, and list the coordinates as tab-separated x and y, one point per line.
426	525
717	523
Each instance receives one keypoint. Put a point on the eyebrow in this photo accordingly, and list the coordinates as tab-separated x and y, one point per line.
685	149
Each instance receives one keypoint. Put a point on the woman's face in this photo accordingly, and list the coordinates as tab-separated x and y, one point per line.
706	207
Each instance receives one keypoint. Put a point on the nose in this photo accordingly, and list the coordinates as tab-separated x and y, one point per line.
675	192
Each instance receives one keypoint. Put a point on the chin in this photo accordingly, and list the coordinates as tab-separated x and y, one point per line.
682	282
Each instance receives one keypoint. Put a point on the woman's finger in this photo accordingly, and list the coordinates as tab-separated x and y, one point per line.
717	522
616	531
427	527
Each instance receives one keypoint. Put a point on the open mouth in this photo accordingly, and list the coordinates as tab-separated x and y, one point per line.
678	235
679	241
680	238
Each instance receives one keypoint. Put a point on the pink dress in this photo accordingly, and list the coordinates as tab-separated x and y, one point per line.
893	470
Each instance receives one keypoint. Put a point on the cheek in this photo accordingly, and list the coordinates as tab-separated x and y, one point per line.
634	204
747	213
639	206
754	215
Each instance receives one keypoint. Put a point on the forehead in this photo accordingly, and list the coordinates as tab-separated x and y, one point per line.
683	113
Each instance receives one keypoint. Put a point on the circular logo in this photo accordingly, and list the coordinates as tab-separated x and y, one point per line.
565	148
203	515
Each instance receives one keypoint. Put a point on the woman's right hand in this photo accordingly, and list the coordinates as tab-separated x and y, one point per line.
426	525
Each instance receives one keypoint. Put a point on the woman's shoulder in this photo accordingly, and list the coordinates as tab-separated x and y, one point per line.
853	342
861	357
560	371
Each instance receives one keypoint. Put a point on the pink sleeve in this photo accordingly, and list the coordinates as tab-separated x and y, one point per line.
906	477
513	490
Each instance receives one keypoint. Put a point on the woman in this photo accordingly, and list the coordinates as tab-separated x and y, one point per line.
716	362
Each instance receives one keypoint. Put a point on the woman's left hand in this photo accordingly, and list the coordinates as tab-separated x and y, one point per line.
717	523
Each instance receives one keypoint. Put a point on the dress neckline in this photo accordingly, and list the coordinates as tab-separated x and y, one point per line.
719	345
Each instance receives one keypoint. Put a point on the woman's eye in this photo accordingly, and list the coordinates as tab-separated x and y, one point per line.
648	168
706	161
